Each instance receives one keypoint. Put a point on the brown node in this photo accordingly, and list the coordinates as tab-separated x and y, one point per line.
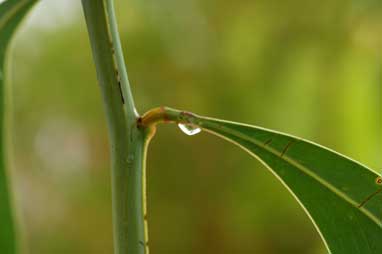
378	180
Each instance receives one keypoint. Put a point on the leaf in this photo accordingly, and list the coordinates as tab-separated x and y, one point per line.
11	13
341	196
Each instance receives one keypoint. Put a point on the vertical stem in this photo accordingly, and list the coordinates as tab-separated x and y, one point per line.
119	60
127	141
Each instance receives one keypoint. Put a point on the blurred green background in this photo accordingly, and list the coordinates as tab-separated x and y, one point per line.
309	68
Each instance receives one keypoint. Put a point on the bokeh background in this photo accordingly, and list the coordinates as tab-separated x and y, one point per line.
312	69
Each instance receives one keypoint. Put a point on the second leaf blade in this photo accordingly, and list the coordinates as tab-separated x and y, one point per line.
11	14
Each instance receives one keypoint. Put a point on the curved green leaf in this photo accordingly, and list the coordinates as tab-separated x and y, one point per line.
11	13
341	196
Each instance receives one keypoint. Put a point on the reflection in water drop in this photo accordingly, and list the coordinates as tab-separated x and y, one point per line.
189	129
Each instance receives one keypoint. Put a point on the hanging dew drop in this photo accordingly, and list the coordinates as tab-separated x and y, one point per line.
189	129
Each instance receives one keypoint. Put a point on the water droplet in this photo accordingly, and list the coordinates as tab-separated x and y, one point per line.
189	129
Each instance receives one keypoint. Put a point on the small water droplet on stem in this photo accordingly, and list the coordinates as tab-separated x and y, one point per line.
189	129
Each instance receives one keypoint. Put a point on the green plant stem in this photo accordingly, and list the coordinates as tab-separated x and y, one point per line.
166	115
127	141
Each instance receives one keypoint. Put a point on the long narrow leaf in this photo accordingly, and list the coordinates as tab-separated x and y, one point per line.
341	196
11	13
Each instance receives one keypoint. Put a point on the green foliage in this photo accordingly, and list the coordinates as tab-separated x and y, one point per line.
338	193
11	13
